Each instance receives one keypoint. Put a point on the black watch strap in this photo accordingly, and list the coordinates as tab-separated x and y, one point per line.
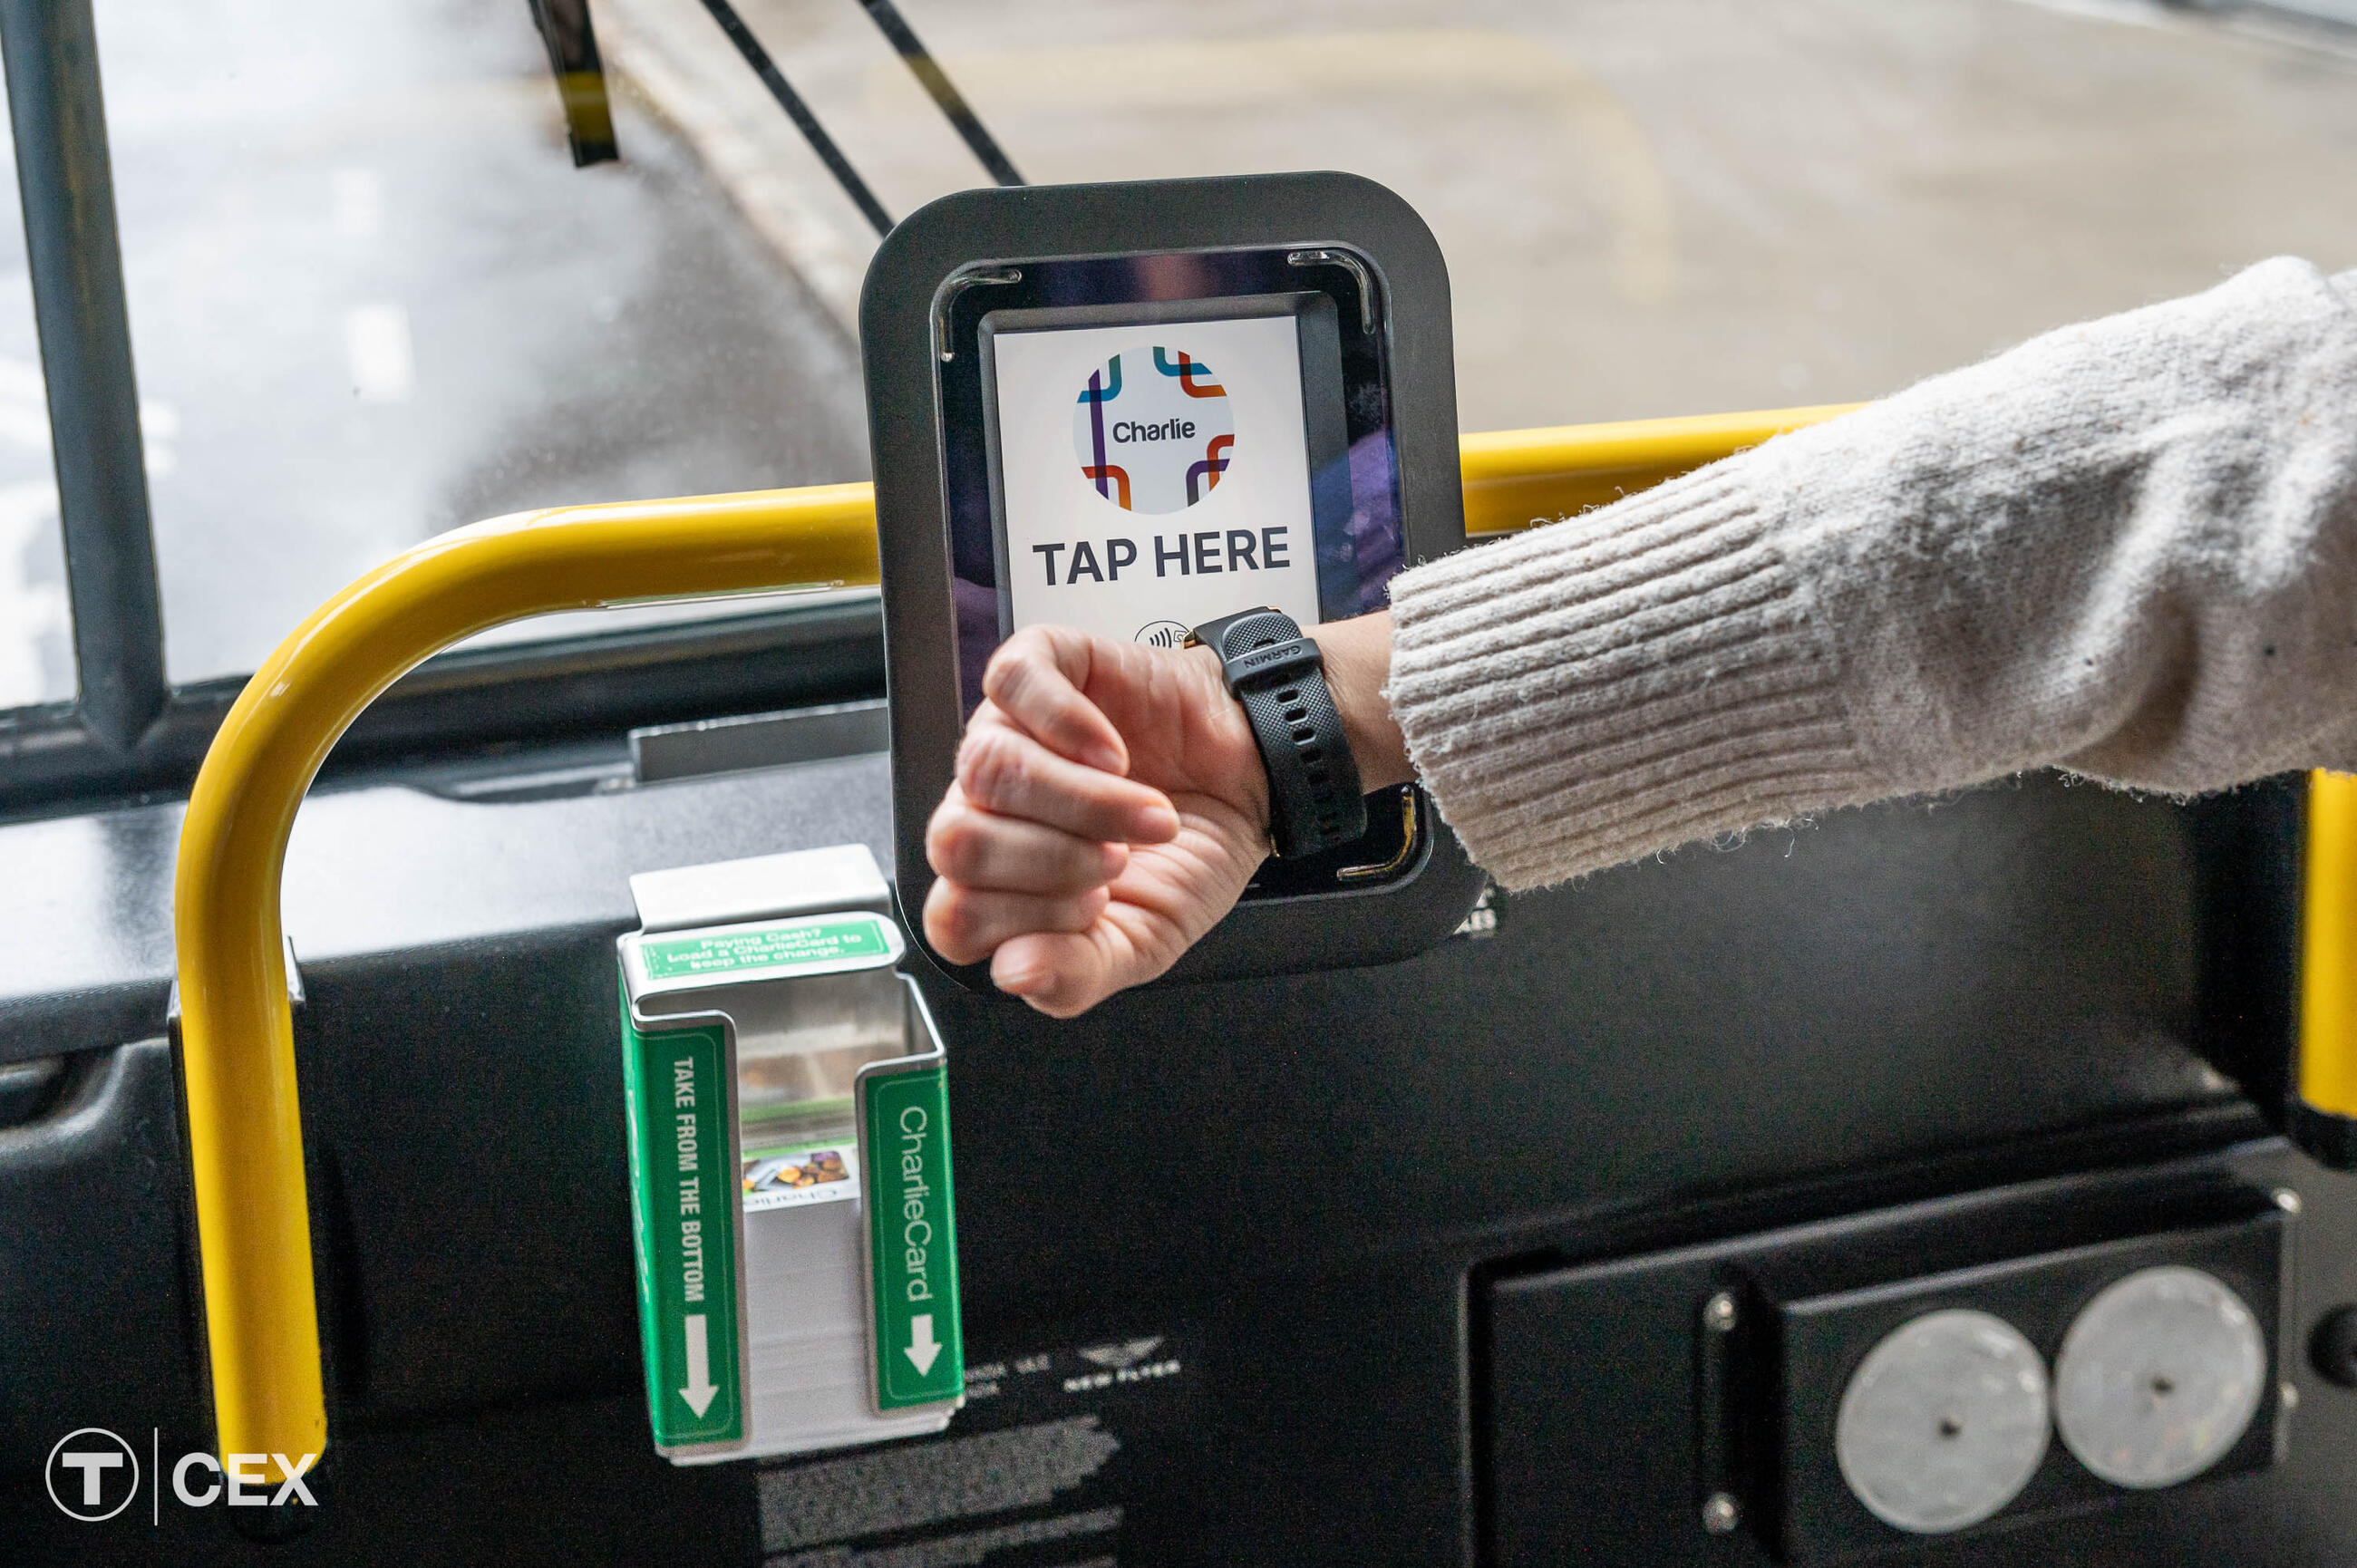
1279	676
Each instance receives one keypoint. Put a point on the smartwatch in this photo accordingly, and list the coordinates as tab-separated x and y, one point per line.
1279	676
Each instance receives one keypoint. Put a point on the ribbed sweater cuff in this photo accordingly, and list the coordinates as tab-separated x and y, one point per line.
1620	683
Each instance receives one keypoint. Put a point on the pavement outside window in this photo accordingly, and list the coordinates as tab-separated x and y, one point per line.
36	644
371	298
1649	207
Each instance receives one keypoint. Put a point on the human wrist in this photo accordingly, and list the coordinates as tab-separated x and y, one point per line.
1358	658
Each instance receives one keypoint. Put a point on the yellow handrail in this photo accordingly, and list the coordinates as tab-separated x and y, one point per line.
2328	970
245	1139
1517	477
245	1136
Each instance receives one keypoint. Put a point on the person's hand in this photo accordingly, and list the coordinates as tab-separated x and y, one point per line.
1109	807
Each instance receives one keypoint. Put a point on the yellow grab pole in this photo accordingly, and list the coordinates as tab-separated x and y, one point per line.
245	1136
237	1040
1514	479
2327	969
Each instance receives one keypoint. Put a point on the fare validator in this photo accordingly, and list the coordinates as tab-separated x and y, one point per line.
1138	408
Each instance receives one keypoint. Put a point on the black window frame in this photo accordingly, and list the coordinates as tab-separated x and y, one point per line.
129	733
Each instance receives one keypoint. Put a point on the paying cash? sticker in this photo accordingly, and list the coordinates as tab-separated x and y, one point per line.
844	941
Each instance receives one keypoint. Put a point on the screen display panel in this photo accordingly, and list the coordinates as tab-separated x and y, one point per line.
1154	466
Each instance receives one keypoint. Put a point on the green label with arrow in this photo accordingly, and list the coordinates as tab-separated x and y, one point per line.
919	1354
682	1208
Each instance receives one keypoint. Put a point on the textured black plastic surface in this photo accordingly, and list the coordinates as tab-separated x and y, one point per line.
94	1324
1304	1184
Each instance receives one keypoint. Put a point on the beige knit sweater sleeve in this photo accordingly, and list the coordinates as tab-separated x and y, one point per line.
2126	548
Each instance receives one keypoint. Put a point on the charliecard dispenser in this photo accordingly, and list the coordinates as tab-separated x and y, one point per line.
789	1158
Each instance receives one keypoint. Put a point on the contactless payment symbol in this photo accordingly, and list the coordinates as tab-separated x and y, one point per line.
1153	430
1161	634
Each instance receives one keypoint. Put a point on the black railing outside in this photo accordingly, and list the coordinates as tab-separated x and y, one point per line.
67	188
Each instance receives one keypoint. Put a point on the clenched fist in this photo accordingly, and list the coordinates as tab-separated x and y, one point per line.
1110	806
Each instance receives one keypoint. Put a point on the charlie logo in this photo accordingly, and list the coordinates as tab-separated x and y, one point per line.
92	1473
1153	431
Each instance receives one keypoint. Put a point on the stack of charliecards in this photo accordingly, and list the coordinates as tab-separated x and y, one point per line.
805	1305
807	1376
798	953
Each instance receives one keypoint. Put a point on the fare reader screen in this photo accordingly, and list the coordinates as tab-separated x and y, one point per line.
1151	474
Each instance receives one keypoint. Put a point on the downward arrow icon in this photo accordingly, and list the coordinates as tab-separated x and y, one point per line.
922	1347
700	1387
